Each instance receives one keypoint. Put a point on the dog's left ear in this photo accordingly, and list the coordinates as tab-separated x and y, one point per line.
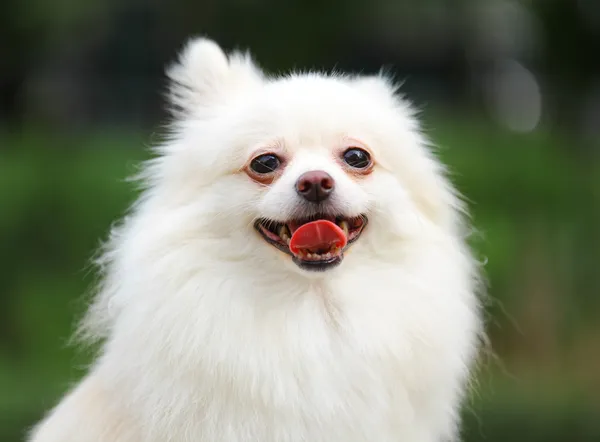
378	86
205	77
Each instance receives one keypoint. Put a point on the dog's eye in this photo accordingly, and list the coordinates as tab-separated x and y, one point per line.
264	164
357	158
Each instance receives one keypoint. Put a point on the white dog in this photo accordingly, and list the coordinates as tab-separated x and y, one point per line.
295	270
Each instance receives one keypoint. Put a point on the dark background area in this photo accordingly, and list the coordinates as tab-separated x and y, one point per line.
510	91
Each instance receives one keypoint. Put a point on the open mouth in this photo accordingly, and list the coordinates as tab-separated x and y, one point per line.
315	243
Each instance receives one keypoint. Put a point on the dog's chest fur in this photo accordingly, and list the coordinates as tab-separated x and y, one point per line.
348	361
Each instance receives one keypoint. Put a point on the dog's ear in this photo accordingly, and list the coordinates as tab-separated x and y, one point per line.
205	77
378	86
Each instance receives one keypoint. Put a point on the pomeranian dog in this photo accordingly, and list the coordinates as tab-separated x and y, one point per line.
295	270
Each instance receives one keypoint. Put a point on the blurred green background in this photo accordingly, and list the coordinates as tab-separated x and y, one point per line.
510	91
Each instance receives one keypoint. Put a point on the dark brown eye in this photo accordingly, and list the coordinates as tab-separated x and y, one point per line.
265	164
357	158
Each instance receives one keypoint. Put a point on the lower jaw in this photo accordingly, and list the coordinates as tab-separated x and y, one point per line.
318	266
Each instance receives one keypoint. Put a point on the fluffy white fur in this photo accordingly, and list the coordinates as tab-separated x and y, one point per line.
211	334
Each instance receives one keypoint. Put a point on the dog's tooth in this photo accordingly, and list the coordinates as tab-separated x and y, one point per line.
327	255
344	226
283	231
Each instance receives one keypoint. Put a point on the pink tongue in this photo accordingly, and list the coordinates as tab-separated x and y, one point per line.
320	234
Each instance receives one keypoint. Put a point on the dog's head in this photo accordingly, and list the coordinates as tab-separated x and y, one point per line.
298	171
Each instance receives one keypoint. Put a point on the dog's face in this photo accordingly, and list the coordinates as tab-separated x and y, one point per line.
301	170
313	206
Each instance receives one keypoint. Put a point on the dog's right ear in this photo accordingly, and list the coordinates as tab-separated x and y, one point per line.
205	77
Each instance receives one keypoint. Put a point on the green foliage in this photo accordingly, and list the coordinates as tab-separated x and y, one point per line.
513	418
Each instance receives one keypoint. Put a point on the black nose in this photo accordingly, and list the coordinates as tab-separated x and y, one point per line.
315	186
